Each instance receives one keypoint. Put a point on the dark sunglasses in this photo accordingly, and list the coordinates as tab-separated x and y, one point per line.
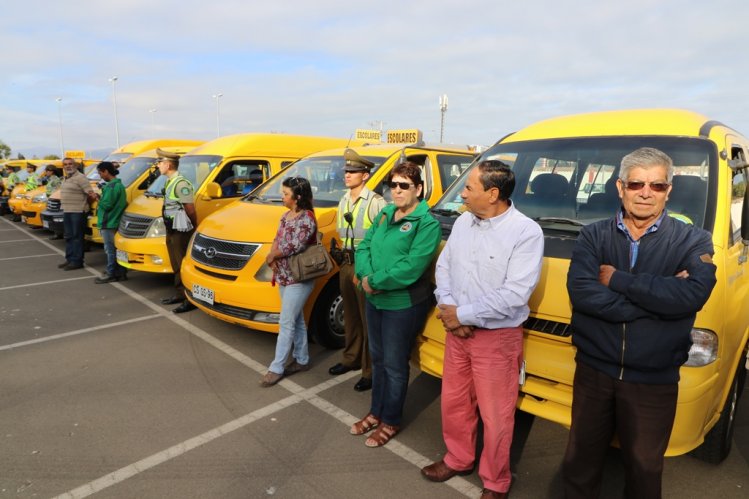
654	186
403	185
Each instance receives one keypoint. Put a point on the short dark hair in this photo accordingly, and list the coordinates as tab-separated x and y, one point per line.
108	167
494	173
411	171
301	190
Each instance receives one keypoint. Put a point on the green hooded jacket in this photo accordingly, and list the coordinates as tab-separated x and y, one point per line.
112	204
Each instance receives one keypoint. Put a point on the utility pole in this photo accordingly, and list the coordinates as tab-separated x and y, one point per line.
443	110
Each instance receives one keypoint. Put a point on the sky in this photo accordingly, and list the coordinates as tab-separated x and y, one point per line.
328	67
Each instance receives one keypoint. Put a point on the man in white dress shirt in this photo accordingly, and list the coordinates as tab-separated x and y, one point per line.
485	275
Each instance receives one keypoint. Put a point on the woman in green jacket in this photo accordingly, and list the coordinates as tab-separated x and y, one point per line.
392	264
111	207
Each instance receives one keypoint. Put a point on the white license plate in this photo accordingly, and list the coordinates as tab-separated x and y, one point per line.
45	224
23	218
121	256
202	294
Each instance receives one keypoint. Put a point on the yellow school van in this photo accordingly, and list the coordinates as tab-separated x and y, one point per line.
565	170
137	173
222	171
225	272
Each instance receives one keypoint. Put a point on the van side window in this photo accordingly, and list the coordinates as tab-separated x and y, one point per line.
450	167
738	187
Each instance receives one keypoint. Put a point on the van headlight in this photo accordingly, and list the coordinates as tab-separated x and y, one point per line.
157	228
704	348
264	273
41	198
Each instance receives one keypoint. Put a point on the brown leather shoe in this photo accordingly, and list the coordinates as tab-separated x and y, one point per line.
439	472
493	494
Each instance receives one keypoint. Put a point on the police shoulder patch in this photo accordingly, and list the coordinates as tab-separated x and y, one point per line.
406	227
185	190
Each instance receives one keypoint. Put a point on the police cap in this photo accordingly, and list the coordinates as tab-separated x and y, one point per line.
173	157
355	163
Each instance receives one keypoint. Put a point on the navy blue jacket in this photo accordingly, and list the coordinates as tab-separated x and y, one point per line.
638	328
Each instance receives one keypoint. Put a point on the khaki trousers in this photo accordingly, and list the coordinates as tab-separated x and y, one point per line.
356	348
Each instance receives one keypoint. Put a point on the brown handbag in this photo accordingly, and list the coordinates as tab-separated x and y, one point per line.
313	262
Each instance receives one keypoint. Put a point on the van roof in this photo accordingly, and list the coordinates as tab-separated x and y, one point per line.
143	145
268	144
388	149
151	153
625	122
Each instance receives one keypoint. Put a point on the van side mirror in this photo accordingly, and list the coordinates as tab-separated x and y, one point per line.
212	191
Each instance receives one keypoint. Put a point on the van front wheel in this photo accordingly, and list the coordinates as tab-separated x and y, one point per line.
327	317
717	442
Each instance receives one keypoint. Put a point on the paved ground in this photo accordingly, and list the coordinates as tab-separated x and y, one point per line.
104	391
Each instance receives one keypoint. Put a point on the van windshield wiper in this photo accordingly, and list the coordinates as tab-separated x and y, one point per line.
446	212
559	220
150	194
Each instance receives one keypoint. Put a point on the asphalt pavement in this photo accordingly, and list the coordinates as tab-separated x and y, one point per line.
105	392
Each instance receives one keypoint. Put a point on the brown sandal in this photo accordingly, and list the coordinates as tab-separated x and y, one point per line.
382	435
369	423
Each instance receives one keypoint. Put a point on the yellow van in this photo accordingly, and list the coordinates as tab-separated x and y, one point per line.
52	215
709	191
18	196
225	271
221	171
136	174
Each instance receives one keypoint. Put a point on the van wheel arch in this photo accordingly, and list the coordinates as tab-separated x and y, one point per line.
327	317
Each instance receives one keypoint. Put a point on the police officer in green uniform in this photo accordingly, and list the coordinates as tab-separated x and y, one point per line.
356	210
178	202
51	179
32	181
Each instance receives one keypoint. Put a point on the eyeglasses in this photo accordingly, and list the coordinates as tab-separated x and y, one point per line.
636	185
403	185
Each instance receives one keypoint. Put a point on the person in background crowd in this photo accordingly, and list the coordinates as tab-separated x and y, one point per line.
636	282
392	265
485	275
178	196
111	206
76	194
51	178
32	181
356	211
296	231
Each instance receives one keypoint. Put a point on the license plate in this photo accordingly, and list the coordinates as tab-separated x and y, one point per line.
202	294
45	224
121	256
23	218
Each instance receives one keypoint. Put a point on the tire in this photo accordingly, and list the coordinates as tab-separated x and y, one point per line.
327	317
717	444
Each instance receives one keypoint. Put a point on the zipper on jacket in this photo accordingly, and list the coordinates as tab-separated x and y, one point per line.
624	346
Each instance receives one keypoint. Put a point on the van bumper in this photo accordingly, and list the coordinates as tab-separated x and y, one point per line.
144	254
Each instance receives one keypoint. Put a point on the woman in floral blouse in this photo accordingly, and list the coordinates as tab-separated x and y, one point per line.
297	230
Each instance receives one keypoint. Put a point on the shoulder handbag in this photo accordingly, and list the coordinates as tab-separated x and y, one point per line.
313	262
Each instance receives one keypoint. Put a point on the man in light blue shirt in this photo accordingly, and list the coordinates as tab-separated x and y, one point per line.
485	275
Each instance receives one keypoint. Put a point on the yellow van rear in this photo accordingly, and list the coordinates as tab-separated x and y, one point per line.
222	171
225	271
709	191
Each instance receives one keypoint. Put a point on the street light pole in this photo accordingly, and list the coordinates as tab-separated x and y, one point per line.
443	110
114	103
153	121
59	116
218	114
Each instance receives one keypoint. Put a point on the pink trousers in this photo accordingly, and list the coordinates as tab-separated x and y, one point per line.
481	375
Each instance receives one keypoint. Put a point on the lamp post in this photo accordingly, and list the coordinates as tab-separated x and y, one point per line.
218	114
443	110
114	103
59	116
152	112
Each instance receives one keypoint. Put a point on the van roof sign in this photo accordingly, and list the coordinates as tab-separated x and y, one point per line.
371	135
408	136
75	154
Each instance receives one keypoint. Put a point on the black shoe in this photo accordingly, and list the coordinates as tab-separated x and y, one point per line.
122	277
70	266
339	369
106	279
172	300
62	265
363	385
54	238
185	307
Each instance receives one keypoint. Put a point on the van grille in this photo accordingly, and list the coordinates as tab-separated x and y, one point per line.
221	254
548	327
134	226
231	311
54	205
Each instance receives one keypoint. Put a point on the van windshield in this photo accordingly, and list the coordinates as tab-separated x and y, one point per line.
129	171
567	183
118	157
193	168
325	174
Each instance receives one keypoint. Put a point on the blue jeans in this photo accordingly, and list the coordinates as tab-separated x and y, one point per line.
74	225
391	338
113	268
292	330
